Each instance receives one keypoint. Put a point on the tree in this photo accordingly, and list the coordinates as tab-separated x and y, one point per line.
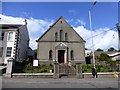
99	49
112	49
104	57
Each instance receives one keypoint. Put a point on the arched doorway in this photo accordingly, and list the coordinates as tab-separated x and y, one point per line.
61	56
61	53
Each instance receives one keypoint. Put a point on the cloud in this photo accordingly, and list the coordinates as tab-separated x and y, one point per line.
10	19
103	40
76	22
81	22
37	27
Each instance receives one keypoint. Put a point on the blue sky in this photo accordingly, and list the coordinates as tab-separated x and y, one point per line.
104	14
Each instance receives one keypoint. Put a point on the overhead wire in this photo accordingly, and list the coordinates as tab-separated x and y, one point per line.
101	33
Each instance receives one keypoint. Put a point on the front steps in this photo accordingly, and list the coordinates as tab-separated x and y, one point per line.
67	71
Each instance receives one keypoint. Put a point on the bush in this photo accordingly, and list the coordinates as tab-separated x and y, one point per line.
28	68
42	68
87	67
45	68
99	68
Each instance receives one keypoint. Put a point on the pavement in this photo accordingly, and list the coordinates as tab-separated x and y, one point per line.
108	83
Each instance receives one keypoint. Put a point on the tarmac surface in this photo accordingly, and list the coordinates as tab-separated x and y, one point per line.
107	83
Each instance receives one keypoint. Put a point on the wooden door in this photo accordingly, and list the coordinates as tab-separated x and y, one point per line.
61	54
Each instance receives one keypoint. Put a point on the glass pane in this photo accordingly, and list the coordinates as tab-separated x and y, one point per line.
61	32
1	35
72	54
9	50
10	36
56	36
1	51
50	54
66	37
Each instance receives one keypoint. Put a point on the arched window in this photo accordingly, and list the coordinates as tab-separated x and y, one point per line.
50	54
61	33
66	37
56	36
72	54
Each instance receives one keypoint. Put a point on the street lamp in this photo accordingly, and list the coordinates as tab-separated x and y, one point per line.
90	17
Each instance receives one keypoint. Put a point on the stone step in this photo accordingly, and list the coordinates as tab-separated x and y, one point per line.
66	69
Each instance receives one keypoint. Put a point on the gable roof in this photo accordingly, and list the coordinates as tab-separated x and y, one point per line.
54	24
49	28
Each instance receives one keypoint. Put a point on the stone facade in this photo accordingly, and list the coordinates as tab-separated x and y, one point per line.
61	43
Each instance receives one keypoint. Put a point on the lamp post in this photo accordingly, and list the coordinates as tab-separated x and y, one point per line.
90	18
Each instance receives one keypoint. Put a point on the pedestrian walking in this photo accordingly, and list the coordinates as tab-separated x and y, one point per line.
94	73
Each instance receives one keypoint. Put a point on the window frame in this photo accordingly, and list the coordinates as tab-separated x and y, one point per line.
10	36
66	36
8	51
50	55
56	36
61	35
1	51
2	34
72	55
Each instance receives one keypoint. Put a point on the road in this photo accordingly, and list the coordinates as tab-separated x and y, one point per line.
59	83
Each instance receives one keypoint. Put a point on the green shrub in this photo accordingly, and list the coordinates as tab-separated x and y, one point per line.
42	68
87	67
99	68
45	68
28	68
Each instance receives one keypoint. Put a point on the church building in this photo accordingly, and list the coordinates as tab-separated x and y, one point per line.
62	44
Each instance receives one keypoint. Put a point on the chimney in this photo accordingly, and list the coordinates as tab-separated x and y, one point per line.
25	21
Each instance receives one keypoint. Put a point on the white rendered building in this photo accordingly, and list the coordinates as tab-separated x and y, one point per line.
14	42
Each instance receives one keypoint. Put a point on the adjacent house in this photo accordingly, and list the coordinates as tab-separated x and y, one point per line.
88	53
61	43
114	56
14	42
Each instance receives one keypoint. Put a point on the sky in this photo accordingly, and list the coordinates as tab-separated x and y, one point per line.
40	15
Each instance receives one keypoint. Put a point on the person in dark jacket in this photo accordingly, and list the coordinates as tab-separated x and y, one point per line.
94	73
